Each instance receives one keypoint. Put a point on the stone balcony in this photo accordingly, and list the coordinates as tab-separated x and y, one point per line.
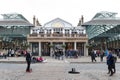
54	35
57	37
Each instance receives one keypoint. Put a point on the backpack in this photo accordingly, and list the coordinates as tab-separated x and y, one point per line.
113	59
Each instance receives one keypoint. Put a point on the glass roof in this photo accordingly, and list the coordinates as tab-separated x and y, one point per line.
13	16
103	30
105	14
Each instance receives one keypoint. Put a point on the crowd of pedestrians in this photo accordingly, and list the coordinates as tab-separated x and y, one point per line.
72	53
97	53
110	54
4	53
58	54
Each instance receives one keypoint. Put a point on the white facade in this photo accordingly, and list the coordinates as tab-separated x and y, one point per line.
59	32
58	25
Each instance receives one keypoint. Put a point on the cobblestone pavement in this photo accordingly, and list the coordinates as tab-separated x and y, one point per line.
57	70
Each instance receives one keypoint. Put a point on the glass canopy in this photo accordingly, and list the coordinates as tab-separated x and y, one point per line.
14	16
95	28
104	27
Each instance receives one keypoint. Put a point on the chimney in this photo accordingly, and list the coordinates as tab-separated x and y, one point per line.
79	23
34	20
82	19
37	23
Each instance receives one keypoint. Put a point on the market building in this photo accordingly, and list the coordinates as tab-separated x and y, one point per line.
104	31
14	29
57	34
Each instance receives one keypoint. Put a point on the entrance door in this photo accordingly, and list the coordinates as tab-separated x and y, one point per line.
45	48
80	48
35	49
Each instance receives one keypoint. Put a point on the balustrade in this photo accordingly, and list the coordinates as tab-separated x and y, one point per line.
57	35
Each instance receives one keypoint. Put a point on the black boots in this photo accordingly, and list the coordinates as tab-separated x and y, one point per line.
111	74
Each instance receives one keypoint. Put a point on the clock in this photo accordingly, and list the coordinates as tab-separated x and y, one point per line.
58	24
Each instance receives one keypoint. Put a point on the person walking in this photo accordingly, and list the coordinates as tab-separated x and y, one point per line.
5	53
93	55
61	54
114	61
101	56
110	62
28	60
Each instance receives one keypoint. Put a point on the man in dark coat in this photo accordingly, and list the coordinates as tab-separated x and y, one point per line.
110	62
93	56
28	60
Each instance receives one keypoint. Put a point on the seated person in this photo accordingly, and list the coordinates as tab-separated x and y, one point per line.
34	59
41	59
38	59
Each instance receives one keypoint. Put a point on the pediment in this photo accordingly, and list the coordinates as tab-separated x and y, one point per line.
58	23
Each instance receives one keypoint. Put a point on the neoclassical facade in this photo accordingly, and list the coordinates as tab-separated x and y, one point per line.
57	34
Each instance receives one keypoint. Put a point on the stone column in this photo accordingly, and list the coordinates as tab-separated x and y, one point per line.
30	46
51	49
39	48
85	49
64	48
74	45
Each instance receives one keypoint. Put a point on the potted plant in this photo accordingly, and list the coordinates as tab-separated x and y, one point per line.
25	46
51	45
87	46
63	45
